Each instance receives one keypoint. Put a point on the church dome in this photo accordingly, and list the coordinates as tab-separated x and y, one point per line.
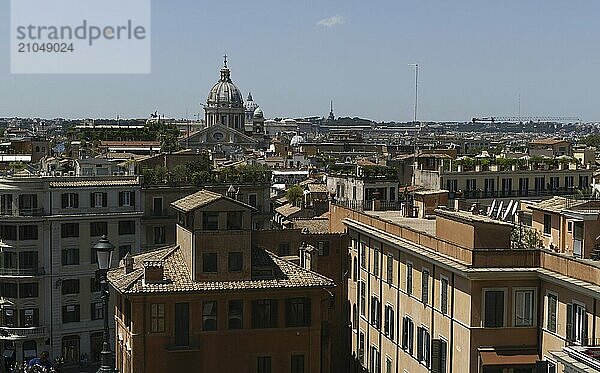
296	140
225	93
258	113
250	105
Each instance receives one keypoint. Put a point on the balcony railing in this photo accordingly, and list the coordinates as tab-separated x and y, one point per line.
22	271
22	333
37	211
371	205
476	194
160	214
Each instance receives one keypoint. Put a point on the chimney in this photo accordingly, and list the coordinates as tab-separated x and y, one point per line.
153	271
128	262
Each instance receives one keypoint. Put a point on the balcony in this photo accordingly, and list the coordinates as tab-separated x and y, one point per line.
8	333
22	271
160	214
37	211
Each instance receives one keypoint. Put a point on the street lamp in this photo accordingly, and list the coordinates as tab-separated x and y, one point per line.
104	250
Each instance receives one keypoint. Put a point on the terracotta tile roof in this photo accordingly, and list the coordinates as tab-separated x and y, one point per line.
287	210
317	188
196	200
554	204
178	279
202	198
314	225
547	142
94	183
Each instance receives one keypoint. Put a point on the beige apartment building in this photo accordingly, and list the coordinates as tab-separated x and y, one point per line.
455	295
50	299
216	302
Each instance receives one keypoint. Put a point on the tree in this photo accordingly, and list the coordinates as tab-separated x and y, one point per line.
294	194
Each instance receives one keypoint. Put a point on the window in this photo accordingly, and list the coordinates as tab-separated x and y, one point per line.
389	322
376	262
235	261
444	295
8	232
252	200
210	221
28	260
6	203
390	268
407	334
127	198
124	250
423	353
375	360
70	313
70	200
361	347
70	256
157	318
264	313
28	290
363	255
234	220
409	284
439	352
355	269
126	227
570	226
297	364
209	315
576	324
98	228
97	311
70	349
552	309
283	249
94	285
70	286
354	317
263	364
493	308
159	235
375	312
98	199
236	314
547	223
363	298
323	247
209	262
69	230
425	286
9	289
297	312
9	319
28	232
388	364
30	317
182	324
524	302
8	260
157	206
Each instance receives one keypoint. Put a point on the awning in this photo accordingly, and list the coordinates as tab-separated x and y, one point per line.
503	358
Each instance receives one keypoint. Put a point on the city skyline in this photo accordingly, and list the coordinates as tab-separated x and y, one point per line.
474	59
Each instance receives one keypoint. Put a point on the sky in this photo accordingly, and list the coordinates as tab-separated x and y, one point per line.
476	58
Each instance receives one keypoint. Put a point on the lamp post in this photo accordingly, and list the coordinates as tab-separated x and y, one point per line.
104	250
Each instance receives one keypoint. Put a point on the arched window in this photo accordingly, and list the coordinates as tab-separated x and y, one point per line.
29	350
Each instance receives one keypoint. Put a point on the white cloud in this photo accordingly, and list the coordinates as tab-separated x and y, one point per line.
332	21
